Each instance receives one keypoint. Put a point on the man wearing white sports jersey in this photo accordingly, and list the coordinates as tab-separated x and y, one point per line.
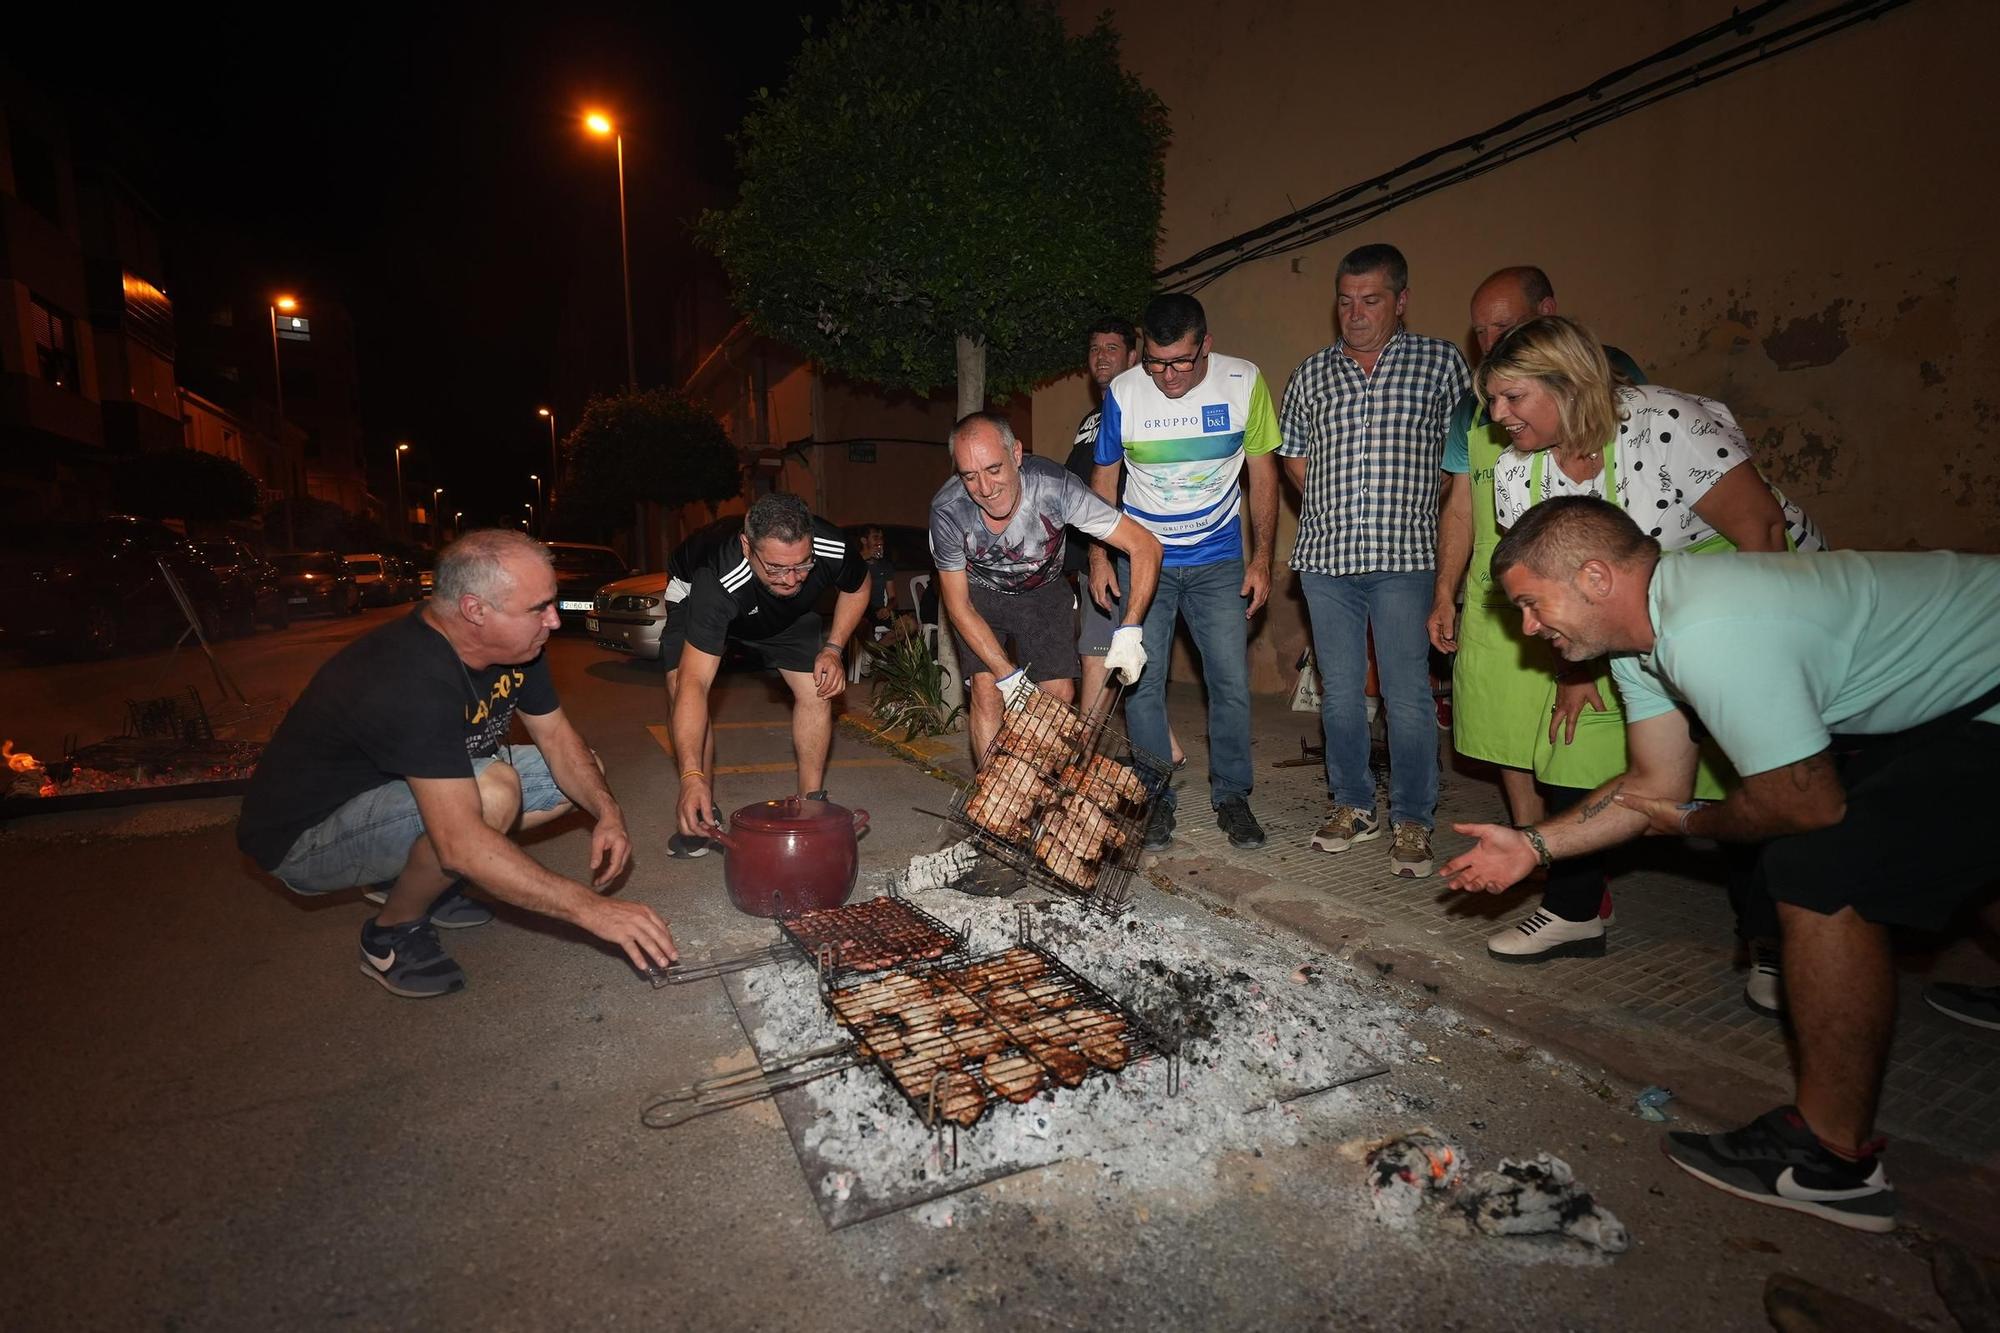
1192	431
754	581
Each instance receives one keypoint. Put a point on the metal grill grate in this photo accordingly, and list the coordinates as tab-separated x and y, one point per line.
954	1040
871	936
1063	798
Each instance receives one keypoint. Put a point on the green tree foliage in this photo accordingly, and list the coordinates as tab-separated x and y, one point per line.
183	484
654	445
957	169
321	525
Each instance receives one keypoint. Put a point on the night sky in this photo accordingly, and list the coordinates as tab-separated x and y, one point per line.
431	173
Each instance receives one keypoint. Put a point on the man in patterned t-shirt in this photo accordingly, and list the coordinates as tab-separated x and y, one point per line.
997	538
1186	428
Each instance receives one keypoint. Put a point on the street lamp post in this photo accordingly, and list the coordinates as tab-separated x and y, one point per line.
402	513
549	414
600	124
286	304
458	523
437	527
537	479
529	505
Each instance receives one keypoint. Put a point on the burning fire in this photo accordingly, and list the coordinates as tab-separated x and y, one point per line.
23	762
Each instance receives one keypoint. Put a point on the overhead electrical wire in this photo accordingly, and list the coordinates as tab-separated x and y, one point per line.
1518	137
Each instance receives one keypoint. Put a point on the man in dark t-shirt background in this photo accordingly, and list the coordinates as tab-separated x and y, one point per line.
756	582
392	770
1111	348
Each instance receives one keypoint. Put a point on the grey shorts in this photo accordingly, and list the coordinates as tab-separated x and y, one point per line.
1093	626
368	840
1034	627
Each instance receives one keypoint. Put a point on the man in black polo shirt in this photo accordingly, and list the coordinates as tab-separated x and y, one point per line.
755	582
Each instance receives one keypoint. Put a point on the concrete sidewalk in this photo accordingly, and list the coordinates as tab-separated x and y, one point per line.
1663	1007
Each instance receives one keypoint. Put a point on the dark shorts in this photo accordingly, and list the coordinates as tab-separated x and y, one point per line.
1037	629
792	648
1093	626
1914	846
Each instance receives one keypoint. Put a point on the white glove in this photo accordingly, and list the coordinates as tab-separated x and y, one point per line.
1127	654
1012	687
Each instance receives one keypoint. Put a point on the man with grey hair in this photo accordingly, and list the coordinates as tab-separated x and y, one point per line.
755	582
998	537
393	770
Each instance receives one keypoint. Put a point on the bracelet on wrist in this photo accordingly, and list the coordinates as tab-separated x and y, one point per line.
831	644
687	773
1687	809
1541	848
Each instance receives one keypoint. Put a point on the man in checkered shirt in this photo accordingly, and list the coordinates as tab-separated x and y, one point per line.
1362	436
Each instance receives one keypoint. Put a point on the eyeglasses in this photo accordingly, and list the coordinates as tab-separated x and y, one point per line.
798	571
1180	365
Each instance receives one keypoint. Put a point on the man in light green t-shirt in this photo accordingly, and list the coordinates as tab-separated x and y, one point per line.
1857	694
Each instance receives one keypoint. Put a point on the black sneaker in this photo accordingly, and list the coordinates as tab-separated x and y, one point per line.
1776	1159
1977	1005
408	960
452	911
683	848
1234	818
1160	827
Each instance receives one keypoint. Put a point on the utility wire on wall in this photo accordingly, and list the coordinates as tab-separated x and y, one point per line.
1679	68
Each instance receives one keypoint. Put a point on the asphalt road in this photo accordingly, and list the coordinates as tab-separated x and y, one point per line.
216	1122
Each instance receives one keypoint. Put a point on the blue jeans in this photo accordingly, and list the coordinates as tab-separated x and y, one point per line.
1343	609
368	840
1209	597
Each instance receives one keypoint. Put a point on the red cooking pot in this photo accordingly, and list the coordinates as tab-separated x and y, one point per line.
791	855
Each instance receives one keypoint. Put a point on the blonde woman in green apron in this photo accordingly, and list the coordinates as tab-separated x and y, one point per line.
1680	466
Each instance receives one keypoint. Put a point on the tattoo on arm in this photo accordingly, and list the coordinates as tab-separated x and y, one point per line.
1592	809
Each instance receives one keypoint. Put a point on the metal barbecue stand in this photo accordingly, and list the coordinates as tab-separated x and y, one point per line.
1058	740
914	935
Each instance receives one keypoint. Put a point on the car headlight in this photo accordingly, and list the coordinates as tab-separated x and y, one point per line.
648	603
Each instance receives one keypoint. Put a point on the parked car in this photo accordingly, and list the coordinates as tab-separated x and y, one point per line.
249	585
628	615
581	570
425	577
374	577
317	581
92	589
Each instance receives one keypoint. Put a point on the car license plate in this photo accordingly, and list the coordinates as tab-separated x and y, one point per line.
296	601
573	606
590	624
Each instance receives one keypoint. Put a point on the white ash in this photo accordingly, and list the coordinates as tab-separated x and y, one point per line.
1404	1172
1253	1035
1537	1197
939	870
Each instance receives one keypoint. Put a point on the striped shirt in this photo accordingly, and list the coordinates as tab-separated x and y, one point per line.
1372	445
1184	456
726	600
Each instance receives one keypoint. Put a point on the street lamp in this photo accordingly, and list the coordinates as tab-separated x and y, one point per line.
402	513
530	524
600	125
549	414
536	478
437	528
287	304
458	523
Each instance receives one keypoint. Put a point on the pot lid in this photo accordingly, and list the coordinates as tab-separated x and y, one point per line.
794	814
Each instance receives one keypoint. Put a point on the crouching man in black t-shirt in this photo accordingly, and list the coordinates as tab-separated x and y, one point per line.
392	770
756	582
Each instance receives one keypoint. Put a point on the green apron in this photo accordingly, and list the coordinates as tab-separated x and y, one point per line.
1499	676
1598	753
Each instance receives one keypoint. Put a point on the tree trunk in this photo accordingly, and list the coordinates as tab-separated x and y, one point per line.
971	398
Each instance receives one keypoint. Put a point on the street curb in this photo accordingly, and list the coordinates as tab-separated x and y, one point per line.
934	754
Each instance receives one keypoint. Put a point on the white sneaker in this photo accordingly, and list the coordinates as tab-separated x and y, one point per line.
1545	935
1764	988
